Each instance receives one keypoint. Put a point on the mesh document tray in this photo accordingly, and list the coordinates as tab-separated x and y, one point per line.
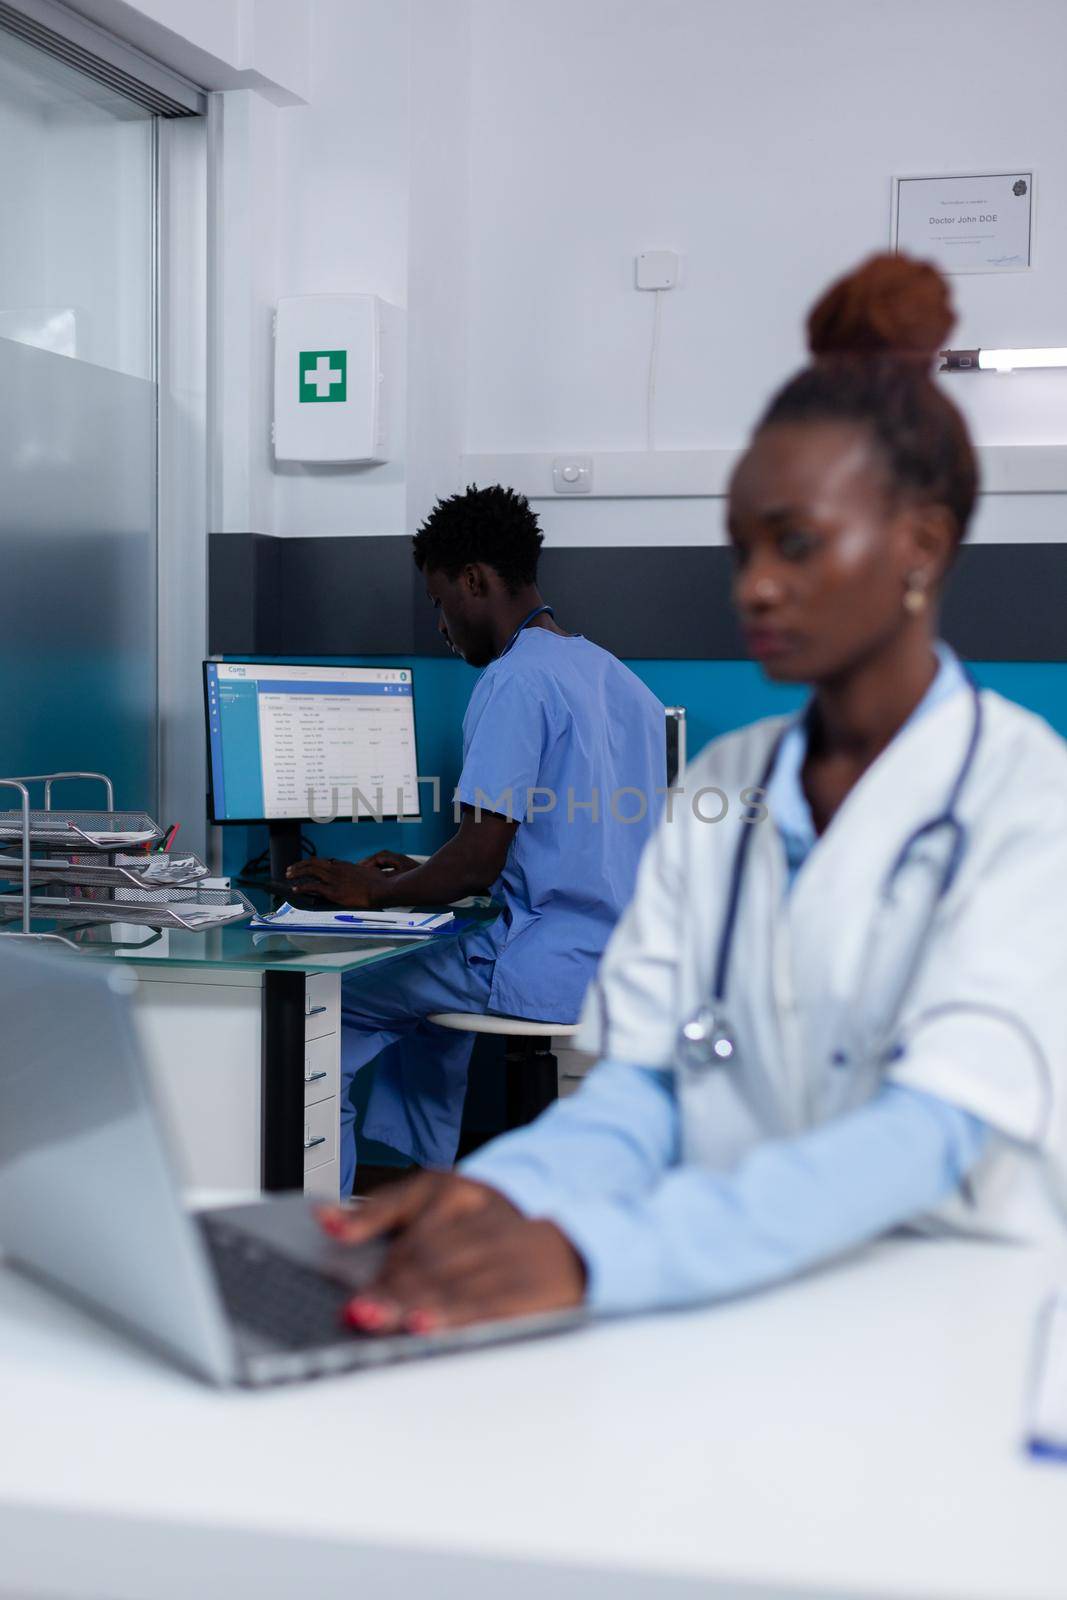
121	872
64	830
154	908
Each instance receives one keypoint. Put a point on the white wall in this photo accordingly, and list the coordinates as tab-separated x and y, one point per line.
494	167
343	184
438	250
759	140
363	189
245	217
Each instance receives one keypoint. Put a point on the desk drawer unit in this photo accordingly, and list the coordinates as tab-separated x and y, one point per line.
322	1004
301	1067
322	1069
322	1074
212	1041
320	1148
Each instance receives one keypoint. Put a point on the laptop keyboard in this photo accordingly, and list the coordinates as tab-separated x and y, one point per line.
267	1292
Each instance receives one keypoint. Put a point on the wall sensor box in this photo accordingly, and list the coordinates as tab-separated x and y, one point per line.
336	360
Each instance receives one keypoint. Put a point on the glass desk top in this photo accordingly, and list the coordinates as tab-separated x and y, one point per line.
239	946
233	947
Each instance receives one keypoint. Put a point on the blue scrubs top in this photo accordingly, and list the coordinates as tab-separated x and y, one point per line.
566	741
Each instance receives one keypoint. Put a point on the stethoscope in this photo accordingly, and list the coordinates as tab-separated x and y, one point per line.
538	611
707	1039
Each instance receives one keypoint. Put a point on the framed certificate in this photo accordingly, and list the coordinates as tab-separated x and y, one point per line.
971	222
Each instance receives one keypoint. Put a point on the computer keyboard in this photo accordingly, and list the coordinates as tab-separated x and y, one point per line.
272	1295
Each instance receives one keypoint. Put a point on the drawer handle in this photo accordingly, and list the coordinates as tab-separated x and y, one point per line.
315	1077
309	1144
314	1011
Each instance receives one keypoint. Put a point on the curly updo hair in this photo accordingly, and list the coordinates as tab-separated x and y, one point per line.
494	526
873	337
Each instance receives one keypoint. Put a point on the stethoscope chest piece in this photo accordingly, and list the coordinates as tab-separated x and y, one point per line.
706	1041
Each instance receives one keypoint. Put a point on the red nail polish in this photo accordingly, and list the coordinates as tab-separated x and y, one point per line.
367	1315
421	1322
331	1224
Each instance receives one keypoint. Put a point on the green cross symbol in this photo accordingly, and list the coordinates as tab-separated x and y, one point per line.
323	374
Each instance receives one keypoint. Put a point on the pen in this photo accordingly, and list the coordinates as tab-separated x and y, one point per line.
168	840
385	927
348	916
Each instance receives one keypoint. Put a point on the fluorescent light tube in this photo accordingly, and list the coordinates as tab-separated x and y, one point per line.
1003	360
1015	360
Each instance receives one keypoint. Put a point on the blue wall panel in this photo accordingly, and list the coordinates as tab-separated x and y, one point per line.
718	696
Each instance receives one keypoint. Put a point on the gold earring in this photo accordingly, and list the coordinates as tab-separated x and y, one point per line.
915	594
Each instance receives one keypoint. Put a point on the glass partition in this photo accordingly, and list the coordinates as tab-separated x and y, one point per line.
77	426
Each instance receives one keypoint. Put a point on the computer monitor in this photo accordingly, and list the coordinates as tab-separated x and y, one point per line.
290	744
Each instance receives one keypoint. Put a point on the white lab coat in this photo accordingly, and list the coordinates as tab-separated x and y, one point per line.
984	1022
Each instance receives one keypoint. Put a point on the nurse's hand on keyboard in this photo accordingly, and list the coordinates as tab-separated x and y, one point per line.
460	1253
355	885
390	861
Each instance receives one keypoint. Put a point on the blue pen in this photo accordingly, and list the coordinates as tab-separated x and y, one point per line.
346	916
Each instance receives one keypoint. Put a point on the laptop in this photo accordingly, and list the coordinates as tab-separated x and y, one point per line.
90	1204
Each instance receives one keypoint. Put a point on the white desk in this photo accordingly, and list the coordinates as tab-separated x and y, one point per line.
241	1035
854	1435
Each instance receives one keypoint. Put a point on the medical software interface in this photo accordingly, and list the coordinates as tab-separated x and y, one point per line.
294	742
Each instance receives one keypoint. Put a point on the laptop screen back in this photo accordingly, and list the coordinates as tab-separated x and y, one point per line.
88	1198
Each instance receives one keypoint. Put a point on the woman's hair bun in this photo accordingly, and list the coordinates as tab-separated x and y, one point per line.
891	305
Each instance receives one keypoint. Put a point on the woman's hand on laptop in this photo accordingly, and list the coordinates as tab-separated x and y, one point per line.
462	1253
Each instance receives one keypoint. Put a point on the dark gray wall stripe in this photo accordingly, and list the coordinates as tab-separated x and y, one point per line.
358	599
348	596
1008	602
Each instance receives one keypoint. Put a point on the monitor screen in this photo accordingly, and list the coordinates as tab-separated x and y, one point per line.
310	743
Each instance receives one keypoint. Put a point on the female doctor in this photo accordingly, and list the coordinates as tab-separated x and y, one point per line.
843	1008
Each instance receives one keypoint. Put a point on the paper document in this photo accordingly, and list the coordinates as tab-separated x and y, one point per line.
198	916
71	835
153	870
191	912
1047	1423
107	837
79	838
167	869
383	923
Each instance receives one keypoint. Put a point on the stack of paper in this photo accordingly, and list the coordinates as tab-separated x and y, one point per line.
108	837
194	913
167	869
151	870
382	924
119	838
202	916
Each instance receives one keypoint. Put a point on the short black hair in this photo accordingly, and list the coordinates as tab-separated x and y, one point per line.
494	525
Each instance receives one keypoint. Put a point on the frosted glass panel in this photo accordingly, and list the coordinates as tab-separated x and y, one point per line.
77	428
76	213
77	570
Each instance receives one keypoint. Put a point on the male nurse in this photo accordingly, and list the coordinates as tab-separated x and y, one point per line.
564	770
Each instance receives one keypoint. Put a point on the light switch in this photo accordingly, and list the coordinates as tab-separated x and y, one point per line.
573	475
657	269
